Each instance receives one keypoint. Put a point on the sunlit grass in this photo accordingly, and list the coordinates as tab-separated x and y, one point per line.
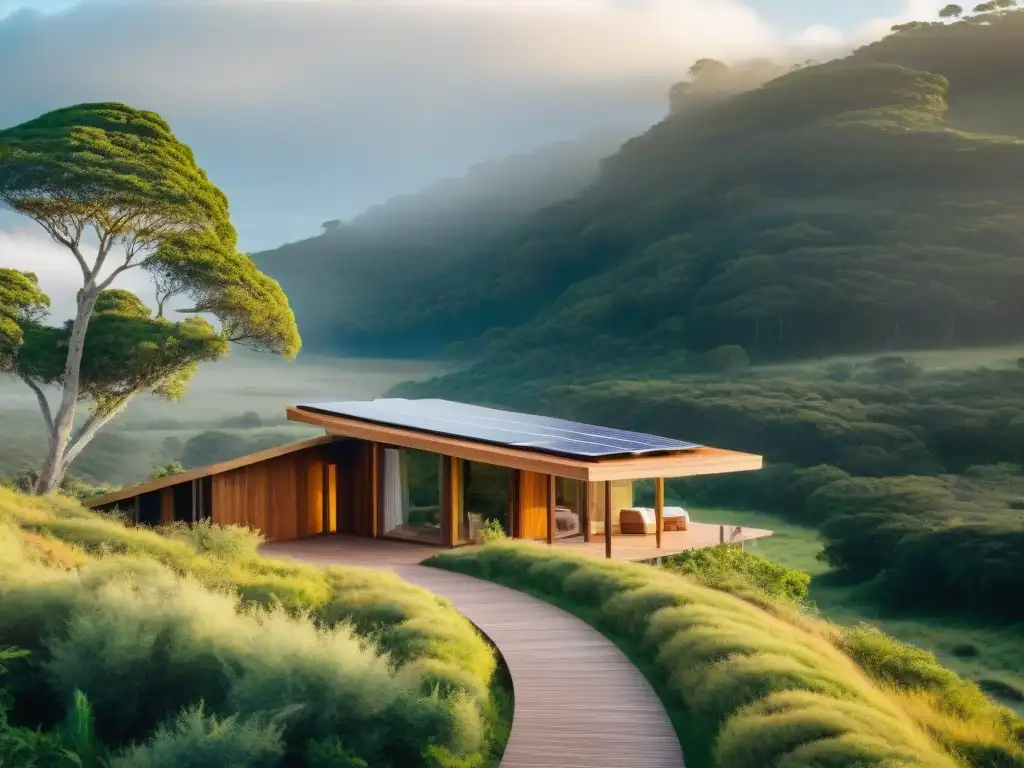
752	687
149	623
980	653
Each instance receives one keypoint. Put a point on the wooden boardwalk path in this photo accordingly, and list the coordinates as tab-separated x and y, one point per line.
579	702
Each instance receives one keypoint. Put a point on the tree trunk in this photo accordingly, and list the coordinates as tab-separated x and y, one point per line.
51	475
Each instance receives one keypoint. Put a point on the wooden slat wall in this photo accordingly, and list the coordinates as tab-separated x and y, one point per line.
167	506
356	508
533	505
281	497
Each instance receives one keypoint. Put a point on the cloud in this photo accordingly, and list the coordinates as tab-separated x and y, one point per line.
304	111
308	110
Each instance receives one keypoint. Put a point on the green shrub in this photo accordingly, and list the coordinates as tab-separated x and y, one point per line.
731	569
227	542
744	688
493	530
148	625
197	740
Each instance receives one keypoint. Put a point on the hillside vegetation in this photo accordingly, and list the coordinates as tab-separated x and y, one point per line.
913	477
752	684
855	205
348	273
181	647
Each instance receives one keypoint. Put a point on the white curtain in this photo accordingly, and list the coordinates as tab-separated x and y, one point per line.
394	490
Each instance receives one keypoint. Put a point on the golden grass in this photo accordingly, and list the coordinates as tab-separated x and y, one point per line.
748	687
360	652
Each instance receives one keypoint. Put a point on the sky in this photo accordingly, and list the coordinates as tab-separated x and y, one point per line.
309	110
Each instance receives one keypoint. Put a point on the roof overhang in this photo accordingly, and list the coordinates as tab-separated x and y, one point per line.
212	469
699	461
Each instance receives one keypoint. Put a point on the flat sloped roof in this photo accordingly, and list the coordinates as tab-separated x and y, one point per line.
508	439
500	427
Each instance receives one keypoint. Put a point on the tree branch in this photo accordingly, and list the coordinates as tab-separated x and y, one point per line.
86	272
44	404
96	421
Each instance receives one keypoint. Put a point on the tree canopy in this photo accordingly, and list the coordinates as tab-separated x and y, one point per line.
114	178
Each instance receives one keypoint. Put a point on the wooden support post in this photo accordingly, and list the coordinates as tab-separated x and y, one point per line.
375	480
552	496
721	534
585	502
325	507
136	508
659	509
608	519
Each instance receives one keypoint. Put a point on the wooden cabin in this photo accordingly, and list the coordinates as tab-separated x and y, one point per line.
432	472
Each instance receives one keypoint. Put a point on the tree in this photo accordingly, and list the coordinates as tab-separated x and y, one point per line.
106	179
707	68
951	11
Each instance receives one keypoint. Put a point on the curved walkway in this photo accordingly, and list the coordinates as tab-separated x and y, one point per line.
579	702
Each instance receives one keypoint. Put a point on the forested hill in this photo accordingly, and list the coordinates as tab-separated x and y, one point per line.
356	270
838	207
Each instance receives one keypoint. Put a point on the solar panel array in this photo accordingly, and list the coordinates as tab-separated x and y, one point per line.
490	425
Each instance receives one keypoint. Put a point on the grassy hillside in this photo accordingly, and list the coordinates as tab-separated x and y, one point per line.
181	647
843	207
355	269
755	682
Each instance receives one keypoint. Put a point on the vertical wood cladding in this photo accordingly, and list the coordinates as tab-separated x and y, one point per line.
356	507
284	497
533	506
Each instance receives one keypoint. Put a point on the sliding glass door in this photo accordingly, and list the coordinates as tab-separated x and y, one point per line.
486	495
411	495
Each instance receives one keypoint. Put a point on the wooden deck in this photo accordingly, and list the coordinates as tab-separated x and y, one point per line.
337	549
625	547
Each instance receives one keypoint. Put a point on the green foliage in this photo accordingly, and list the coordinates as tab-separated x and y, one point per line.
731	569
744	687
492	531
21	302
197	740
192	650
120	174
169	469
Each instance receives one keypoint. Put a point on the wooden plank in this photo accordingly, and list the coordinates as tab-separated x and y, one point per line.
551	498
579	702
212	469
532	506
659	508
342	549
585	511
166	506
608	519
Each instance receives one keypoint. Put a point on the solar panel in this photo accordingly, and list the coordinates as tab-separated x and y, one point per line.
490	425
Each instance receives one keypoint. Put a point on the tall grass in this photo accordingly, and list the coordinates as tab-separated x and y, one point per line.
186	648
745	687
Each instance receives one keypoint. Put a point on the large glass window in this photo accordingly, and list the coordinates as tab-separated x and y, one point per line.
570	511
411	494
486	495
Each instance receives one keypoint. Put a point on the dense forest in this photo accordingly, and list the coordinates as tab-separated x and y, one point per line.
861	204
342	278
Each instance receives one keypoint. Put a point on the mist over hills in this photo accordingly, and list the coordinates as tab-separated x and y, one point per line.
377	259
